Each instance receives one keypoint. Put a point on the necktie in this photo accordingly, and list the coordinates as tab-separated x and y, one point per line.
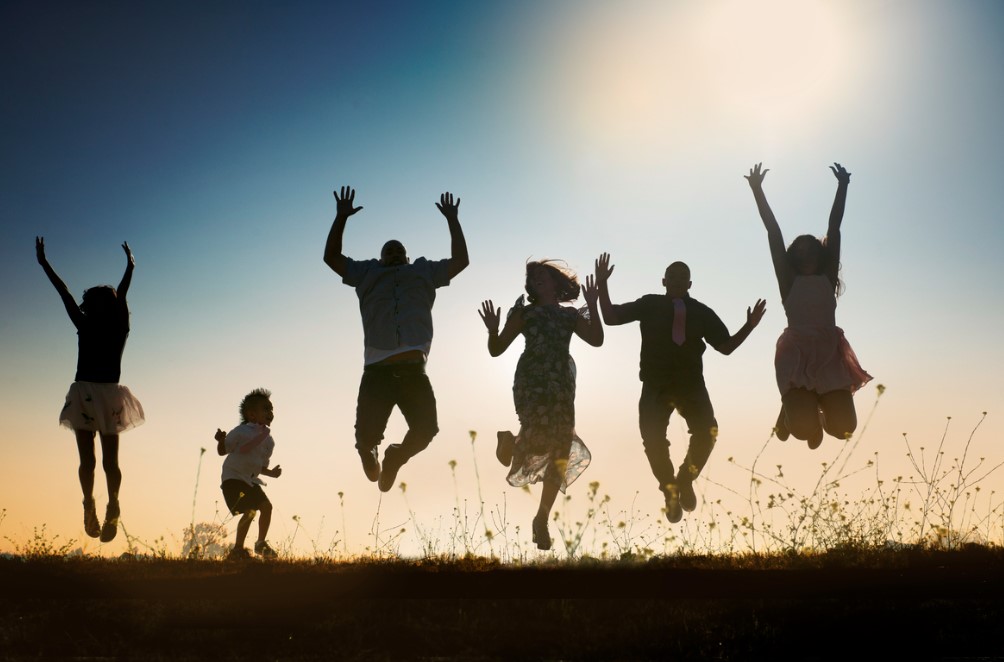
679	321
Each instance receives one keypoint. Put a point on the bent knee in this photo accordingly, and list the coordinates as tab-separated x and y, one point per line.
841	429
805	428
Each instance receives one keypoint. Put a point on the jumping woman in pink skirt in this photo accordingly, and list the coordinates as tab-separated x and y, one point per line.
817	371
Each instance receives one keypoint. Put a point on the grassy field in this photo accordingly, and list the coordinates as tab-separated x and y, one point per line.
856	566
925	604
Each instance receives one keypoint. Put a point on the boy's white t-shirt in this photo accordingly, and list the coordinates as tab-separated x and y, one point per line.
249	447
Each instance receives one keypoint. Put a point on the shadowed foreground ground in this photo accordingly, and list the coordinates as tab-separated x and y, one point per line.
923	605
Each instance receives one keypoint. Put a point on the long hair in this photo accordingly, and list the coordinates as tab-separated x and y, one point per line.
251	399
566	284
825	257
99	302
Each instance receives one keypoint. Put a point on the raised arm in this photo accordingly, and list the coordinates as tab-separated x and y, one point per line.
499	342
836	216
603	272
127	276
590	330
753	317
72	309
775	240
333	256
458	245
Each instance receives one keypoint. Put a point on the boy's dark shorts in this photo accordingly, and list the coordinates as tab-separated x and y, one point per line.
241	497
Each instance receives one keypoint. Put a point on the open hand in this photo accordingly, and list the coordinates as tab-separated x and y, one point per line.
344	203
755	178
840	173
603	269
129	257
490	316
755	314
590	292
447	207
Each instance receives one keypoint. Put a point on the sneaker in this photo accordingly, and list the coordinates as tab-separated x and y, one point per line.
262	549
92	526
238	554
388	474
674	511
504	449
371	464
688	499
111	525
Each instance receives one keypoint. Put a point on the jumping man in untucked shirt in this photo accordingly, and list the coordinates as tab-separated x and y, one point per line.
395	299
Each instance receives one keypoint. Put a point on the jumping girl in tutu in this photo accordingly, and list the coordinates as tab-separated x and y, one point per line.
96	402
817	371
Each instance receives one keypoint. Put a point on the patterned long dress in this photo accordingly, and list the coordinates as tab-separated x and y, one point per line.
547	447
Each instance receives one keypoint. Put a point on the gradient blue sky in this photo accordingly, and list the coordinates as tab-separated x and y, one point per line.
210	136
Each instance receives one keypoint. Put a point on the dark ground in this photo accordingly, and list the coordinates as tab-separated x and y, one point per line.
927	606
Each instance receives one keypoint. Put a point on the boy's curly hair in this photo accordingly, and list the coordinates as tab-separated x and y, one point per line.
251	399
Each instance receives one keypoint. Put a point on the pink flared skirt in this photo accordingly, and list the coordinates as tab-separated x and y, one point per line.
817	359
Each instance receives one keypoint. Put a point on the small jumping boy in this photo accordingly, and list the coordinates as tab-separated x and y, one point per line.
248	448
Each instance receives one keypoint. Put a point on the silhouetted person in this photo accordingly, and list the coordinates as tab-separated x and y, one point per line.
547	449
248	448
674	329
395	299
96	402
817	371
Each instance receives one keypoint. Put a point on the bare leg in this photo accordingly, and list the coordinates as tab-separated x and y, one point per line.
264	521
839	417
113	477
88	462
548	495
85	448
801	409
242	528
110	464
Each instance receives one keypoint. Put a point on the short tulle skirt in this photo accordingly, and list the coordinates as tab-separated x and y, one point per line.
99	407
817	359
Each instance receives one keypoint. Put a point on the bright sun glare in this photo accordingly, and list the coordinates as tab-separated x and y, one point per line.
780	55
632	81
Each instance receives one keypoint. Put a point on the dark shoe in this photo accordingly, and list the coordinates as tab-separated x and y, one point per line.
371	464
688	499
238	554
262	549
781	426
388	474
674	511
541	536
92	526
111	525
504	449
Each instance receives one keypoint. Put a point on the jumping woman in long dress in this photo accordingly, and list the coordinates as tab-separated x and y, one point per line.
547	449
